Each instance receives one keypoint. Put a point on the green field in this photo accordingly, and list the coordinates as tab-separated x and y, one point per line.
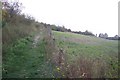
84	56
92	56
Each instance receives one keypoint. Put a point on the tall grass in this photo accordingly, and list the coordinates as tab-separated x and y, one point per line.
11	32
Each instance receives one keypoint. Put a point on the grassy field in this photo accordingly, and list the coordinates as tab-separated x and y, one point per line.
88	56
83	57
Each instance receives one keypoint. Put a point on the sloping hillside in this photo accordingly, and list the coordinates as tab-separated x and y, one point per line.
87	56
31	50
61	54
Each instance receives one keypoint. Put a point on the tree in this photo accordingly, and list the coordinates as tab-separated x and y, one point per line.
69	30
10	11
105	35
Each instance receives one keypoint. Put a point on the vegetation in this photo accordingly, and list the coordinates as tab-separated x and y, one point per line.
25	61
91	56
105	36
14	24
85	33
63	29
31	50
20	58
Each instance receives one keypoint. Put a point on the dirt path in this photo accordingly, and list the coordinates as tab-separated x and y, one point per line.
36	39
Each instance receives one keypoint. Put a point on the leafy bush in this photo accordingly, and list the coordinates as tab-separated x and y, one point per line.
10	11
14	24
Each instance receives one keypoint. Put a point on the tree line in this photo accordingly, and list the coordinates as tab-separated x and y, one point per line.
63	29
105	36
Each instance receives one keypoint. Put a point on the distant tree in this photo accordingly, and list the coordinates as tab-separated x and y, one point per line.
63	29
101	35
58	29
54	27
80	32
88	33
116	36
69	30
105	35
96	35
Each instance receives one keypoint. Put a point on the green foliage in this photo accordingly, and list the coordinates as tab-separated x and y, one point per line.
22	60
15	56
19	46
94	57
11	33
14	24
10	11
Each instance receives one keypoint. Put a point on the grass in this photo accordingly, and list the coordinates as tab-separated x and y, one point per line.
23	61
99	54
85	57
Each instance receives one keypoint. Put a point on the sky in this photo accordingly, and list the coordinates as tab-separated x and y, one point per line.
97	16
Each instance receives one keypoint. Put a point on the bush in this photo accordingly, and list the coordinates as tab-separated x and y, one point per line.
10	11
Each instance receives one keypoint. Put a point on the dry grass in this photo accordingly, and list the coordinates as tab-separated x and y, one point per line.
82	67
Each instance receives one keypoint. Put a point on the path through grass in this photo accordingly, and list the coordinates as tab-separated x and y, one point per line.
22	60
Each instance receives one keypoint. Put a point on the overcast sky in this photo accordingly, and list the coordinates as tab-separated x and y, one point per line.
97	16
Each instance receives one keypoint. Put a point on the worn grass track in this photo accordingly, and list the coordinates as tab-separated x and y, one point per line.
23	60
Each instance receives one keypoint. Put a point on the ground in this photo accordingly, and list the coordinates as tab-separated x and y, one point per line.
76	55
88	56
